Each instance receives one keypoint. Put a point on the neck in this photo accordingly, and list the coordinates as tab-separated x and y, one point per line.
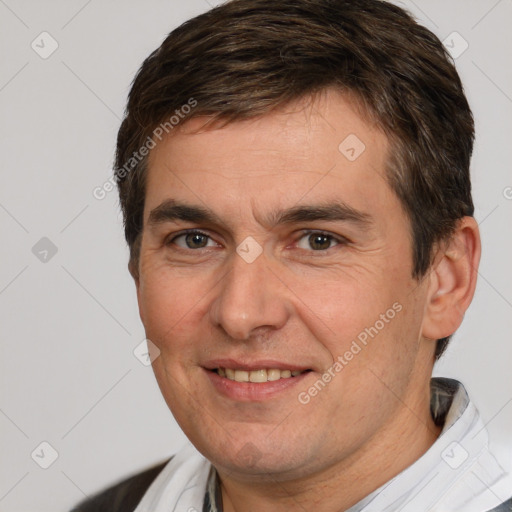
338	487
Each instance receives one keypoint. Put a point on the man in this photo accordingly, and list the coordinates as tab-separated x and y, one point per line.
294	179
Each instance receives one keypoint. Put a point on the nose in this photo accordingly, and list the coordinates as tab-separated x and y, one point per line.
249	298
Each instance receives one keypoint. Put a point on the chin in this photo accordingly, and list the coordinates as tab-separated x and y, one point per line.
250	465
251	457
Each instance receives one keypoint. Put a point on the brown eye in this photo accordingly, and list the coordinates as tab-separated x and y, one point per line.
196	240
317	241
193	240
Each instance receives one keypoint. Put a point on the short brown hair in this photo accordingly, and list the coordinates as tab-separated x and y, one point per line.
247	57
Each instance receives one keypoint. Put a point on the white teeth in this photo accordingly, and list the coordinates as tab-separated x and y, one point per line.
258	376
263	375
273	374
241	376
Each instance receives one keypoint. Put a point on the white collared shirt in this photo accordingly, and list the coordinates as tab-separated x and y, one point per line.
457	474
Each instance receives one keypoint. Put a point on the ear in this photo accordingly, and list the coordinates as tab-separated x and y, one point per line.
133	268
452	281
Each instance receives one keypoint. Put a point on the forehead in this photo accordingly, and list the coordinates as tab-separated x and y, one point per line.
315	149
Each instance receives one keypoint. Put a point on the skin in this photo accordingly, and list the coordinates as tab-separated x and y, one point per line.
295	304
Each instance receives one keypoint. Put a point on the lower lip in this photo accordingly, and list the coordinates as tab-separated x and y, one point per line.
253	391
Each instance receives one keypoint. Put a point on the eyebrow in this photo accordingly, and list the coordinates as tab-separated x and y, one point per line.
172	210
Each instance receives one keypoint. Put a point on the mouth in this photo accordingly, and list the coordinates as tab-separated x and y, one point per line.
254	382
257	376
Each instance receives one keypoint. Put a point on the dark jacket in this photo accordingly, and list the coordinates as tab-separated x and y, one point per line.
124	496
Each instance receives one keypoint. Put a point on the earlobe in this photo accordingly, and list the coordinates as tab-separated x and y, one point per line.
134	271
452	281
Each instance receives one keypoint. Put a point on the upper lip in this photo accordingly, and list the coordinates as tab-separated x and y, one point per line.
253	365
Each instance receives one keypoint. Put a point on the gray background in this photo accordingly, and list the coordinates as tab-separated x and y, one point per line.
69	320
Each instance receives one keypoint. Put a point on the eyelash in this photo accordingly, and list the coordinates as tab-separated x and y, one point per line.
340	240
187	232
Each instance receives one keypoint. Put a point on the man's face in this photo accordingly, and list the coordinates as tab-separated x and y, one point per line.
328	261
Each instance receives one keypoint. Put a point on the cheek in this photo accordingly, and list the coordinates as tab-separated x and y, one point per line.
170	305
342	306
371	322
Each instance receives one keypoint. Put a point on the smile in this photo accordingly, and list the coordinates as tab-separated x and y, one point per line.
260	375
